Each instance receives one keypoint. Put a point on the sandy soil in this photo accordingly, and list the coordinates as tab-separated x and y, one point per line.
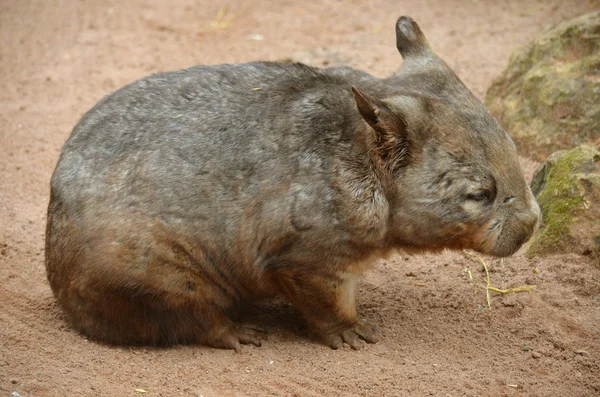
58	58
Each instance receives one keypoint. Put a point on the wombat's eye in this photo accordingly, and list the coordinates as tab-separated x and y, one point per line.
480	195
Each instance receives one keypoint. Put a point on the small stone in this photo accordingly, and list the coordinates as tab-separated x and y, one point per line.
509	301
15	394
581	352
536	355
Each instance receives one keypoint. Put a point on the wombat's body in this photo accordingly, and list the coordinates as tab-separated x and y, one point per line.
185	194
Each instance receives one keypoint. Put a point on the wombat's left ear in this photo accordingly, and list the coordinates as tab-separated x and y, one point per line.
389	142
410	40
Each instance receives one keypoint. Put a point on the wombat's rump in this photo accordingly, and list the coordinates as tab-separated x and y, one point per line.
185	194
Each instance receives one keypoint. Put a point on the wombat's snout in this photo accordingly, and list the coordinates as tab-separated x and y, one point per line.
536	214
522	222
532	218
531	222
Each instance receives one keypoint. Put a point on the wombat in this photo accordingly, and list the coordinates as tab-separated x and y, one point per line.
184	195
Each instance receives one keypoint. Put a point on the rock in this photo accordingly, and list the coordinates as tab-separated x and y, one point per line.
548	98
567	188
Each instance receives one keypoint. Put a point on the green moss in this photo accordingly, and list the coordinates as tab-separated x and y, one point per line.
560	199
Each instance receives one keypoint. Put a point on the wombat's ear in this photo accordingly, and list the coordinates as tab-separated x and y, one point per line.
410	40
370	108
389	142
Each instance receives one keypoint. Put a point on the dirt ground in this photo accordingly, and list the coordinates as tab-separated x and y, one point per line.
58	58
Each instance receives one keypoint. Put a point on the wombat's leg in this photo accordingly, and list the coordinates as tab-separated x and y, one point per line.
328	303
134	316
147	316
135	281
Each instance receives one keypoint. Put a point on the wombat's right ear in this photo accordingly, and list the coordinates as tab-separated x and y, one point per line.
388	144
410	40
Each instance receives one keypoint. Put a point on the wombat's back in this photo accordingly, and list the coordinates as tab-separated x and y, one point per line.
221	124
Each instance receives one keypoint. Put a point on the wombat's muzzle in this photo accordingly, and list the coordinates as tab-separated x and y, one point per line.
518	229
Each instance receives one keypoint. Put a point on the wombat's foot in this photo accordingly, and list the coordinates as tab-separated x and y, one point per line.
233	336
360	330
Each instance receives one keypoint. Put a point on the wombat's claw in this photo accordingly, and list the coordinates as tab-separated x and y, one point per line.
239	335
361	330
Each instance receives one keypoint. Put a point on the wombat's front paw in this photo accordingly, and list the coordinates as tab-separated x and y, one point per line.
360	330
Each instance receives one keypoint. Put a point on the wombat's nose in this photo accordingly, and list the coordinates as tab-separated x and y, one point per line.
530	215
534	218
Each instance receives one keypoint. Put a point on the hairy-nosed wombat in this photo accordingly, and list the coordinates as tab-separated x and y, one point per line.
185	194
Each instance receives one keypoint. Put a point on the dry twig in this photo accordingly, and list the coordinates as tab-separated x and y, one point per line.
489	287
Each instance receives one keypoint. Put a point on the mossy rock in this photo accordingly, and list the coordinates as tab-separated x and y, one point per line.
567	188
548	98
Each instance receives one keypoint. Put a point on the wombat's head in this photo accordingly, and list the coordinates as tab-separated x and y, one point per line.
453	175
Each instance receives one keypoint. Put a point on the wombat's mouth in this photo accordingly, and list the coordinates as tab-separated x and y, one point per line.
508	249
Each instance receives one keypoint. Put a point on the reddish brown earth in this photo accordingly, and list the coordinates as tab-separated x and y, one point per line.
58	58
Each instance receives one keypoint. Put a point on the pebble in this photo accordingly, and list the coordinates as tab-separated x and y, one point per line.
536	355
15	394
581	352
